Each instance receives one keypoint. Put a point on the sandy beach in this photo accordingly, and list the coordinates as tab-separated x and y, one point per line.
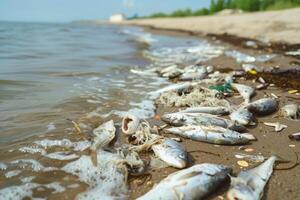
274	26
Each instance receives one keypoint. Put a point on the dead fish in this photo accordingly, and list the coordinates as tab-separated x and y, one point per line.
294	136
278	127
194	73
192	183
167	69
171	152
130	124
245	91
263	106
211	134
172	74
251	158
174	87
103	135
290	111
242	116
249	184
179	119
219	110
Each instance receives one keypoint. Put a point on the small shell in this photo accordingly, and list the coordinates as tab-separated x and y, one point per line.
242	163
130	124
249	150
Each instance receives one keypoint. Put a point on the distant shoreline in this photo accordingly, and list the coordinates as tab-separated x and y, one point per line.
271	26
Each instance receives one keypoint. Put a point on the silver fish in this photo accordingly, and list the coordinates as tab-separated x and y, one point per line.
242	116
210	134
174	87
251	158
206	109
192	183
171	152
249	184
179	119
263	106
245	91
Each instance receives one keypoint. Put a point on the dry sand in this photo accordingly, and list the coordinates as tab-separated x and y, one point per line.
273	26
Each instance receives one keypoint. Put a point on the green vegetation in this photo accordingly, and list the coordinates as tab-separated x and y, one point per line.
245	5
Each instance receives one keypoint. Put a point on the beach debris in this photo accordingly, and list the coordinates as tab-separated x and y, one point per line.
218	110
178	88
293	53
251	43
250	158
242	116
290	111
295	136
171	152
249	67
192	183
210	134
243	163
226	87
245	91
130	124
292	145
263	106
278	127
179	119
292	91
198	96
170	72
250	184
103	135
249	150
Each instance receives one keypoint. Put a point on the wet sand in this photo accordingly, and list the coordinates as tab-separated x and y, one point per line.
274	26
284	183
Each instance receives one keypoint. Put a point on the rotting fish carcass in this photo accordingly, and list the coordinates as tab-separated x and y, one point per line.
174	87
211	134
219	110
103	135
194	73
192	183
245	91
179	119
171	152
242	116
130	124
290	111
263	106
249	184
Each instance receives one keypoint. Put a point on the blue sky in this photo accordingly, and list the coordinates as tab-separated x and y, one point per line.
68	10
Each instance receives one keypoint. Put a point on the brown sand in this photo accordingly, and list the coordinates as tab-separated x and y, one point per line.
274	26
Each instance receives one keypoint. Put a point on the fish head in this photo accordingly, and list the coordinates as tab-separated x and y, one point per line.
240	192
179	160
130	124
174	118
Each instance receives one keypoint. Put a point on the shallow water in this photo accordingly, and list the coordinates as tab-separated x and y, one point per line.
54	73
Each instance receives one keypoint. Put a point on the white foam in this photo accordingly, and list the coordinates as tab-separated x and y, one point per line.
105	181
32	150
27	179
51	127
77	146
18	192
12	173
242	57
30	163
72	186
61	156
56	186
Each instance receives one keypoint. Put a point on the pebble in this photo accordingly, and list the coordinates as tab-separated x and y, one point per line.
242	163
292	145
249	150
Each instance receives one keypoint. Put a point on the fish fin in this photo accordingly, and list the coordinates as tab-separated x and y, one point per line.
94	159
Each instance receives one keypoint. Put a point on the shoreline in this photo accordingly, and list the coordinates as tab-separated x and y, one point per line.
279	28
268	141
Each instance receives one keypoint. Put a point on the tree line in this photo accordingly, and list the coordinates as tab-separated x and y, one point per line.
245	5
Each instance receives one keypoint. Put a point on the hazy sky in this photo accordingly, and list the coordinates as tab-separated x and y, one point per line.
68	10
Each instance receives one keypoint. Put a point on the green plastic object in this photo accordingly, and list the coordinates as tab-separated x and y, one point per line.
226	87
